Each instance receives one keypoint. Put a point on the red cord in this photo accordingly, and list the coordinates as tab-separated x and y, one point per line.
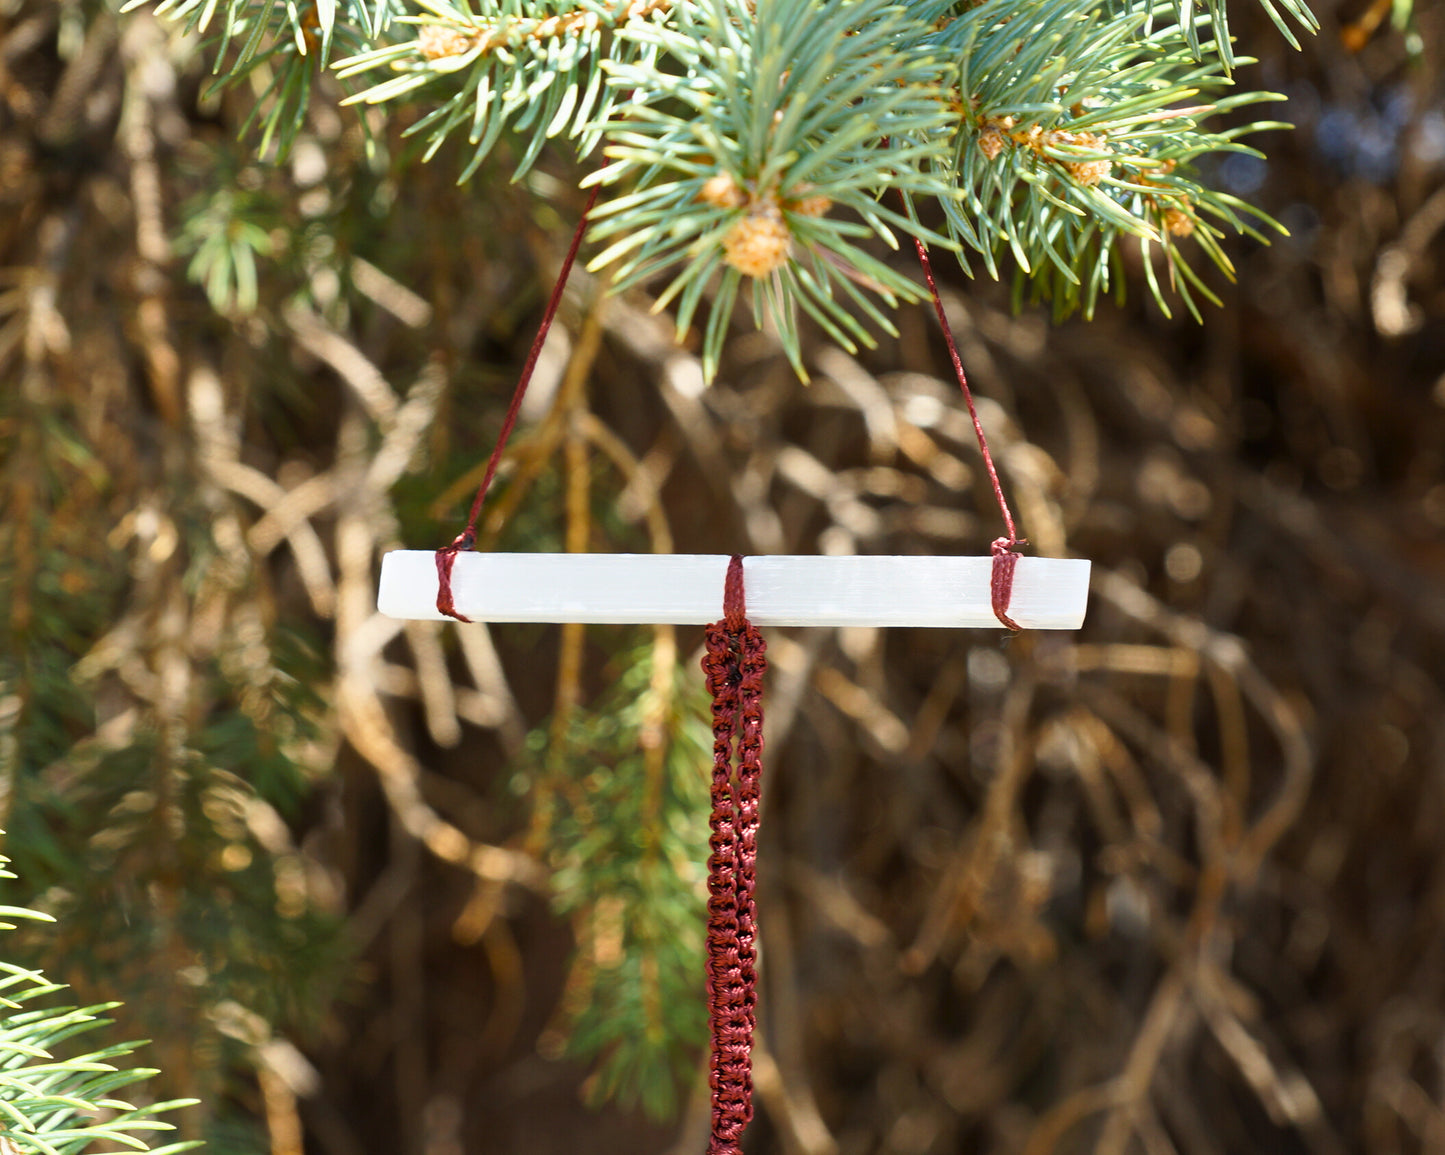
1005	555
1001	583
735	663
446	557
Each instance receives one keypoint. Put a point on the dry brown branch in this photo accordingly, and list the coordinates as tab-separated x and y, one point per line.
363	720
354	368
360	714
494	694
434	682
403	304
1229	655
152	320
1389	296
862	390
1137	1078
993	880
403	436
312	564
880	723
780	1074
1068	1113
804	1132
280	521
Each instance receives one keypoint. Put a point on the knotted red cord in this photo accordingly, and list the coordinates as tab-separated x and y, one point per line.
447	555
1005	553
735	663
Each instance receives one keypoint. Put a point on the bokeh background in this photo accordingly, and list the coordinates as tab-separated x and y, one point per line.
1174	883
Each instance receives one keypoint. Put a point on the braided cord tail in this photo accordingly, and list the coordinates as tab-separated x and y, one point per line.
724	974
734	664
754	665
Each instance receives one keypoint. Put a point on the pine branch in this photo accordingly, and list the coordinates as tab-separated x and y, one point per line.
1077	131
286	44
1218	20
628	844
496	69
738	163
752	142
62	1105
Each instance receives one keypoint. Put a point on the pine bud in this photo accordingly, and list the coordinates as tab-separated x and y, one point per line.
439	41
994	135
722	192
757	245
1089	172
1178	222
807	203
990	142
1086	172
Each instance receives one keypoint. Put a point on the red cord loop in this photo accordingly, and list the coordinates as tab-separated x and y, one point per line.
1001	584
735	605
447	555
734	663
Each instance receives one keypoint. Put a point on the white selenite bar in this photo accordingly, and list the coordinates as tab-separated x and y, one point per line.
687	589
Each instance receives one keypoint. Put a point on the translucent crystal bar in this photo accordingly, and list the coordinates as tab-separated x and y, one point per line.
687	589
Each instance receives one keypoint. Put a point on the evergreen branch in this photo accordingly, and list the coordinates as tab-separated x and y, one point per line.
540	74
1077	130
1218	20
257	25
286	44
751	141
61	1105
633	883
740	161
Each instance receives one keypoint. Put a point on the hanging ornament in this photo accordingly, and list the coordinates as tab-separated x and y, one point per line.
1001	589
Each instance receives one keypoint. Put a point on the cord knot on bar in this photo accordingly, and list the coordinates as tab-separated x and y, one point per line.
446	559
735	606
1001	585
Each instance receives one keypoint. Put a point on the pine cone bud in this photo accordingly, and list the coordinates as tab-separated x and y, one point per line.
439	41
723	192
807	203
994	135
1086	172
1178	222
757	245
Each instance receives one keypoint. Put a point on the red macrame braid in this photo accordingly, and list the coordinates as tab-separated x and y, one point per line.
734	663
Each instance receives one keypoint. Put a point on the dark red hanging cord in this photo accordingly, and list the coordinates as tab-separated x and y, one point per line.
447	556
735	663
1005	554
